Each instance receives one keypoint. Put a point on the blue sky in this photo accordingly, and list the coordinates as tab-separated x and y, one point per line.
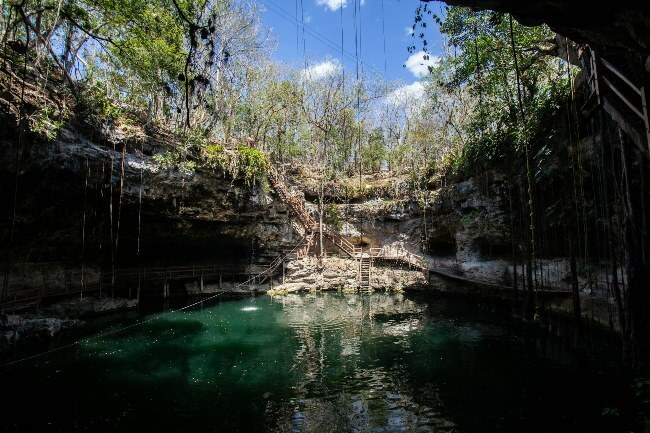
322	35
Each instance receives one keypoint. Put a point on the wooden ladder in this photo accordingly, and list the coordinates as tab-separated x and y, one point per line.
365	265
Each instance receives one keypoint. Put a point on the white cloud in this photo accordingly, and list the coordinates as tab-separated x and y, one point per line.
419	63
321	70
406	94
333	4
409	31
307	19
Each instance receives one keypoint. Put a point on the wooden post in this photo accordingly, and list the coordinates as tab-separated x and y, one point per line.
645	101
201	287
283	268
595	66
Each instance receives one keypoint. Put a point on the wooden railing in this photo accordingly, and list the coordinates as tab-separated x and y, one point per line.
105	282
296	203
298	252
400	255
602	75
303	251
337	239
74	284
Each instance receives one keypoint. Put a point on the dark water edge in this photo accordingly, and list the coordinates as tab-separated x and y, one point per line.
324	362
560	360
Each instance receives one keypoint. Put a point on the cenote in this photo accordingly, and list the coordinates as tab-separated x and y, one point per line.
315	362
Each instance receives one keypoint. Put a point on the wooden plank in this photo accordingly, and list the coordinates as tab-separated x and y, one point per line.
595	68
622	97
620	75
633	133
645	100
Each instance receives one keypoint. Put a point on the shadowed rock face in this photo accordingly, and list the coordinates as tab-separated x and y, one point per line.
620	25
67	190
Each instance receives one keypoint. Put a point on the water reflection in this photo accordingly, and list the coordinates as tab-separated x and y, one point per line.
350	361
309	363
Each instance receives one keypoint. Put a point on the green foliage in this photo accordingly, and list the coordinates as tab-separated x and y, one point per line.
641	389
193	142
168	159
94	99
484	64
374	151
333	214
252	163
467	219
175	159
194	139
45	123
214	155
611	412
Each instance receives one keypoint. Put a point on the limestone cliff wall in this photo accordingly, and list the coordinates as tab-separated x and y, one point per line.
95	201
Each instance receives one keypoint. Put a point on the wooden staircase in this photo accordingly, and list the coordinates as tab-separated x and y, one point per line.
294	200
309	227
296	204
365	265
622	95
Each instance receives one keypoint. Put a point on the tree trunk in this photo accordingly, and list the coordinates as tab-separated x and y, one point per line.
320	220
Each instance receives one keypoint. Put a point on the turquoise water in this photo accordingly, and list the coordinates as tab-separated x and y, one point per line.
312	363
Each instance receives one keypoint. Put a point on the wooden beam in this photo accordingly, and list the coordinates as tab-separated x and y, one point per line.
622	97
645	100
595	70
620	75
633	133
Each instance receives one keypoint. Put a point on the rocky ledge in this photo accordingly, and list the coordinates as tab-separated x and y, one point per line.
56	318
34	327
333	273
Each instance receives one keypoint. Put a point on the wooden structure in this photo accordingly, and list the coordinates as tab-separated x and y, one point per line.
609	86
296	203
76	283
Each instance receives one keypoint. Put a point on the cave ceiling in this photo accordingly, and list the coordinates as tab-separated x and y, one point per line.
622	25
